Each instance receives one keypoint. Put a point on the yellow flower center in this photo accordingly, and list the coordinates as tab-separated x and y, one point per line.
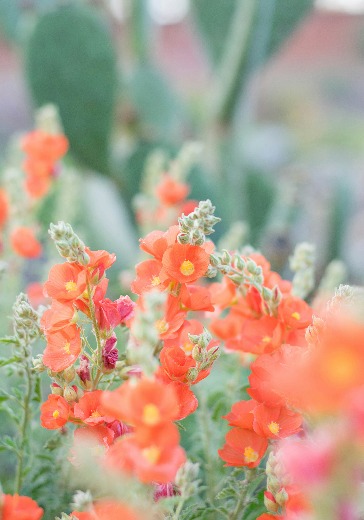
67	348
341	367
155	281
151	414
187	268
266	339
274	428
296	315
250	455
161	326
151	454
71	286
55	414
96	414
187	347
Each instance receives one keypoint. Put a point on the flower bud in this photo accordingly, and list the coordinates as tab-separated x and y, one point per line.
56	389
68	244
110	353
281	497
82	501
38	365
270	502
70	394
69	374
192	375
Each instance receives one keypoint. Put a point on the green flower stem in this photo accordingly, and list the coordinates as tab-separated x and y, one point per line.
204	424
178	509
99	373
24	427
244	496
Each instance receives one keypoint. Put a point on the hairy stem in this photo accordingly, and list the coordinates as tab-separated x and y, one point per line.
23	428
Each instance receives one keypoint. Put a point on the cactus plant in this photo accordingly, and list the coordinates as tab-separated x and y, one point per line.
71	62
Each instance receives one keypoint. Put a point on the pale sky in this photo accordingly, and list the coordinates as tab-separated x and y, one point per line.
348	6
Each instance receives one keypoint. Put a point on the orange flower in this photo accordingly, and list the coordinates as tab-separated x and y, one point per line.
223	293
147	277
243	448
57	317
196	298
295	313
171	192
187	401
45	146
100	261
37	186
24	243
4	207
144	403
327	373
105	510
173	320
156	242
184	263
176	365
152	455
90	410
55	412
63	348
19	508
264	370
35	294
226	328
275	422
241	414
94	437
66	282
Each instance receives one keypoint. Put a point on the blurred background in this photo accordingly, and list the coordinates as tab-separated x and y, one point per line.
272	89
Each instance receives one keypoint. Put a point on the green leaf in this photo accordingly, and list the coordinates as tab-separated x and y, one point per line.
157	105
9	340
37	390
9	361
71	62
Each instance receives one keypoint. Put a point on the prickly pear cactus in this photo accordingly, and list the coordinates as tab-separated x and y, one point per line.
71	62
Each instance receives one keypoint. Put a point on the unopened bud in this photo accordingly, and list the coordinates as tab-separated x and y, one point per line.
38	364
192	375
281	497
69	374
68	244
197	355
70	394
211	272
56	389
270	502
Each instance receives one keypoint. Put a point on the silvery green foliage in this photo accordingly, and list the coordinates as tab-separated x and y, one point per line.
25	320
302	263
187	479
197	225
68	244
245	272
204	358
82	500
144	334
335	274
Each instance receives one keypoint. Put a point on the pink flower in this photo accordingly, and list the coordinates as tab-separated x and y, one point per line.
119	428
308	461
165	490
83	370
110	314
110	353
